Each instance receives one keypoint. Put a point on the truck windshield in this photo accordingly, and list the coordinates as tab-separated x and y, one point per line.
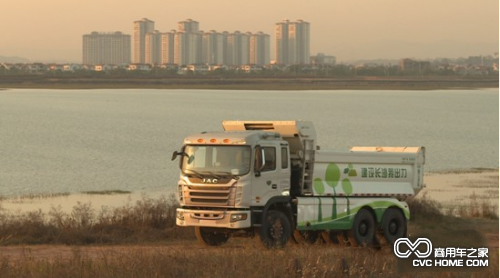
216	160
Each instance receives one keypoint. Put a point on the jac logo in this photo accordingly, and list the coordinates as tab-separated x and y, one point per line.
412	247
210	180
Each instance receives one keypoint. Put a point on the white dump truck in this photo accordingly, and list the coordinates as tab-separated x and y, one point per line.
269	180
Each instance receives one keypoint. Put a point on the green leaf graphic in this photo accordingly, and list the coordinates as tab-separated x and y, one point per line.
332	175
347	186
318	186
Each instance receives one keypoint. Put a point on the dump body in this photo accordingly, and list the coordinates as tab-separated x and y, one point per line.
369	171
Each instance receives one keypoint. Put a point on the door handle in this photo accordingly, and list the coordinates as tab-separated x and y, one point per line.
274	186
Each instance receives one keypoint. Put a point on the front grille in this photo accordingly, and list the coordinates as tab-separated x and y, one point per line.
206	195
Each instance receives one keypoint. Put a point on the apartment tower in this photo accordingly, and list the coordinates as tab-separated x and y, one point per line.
106	48
259	49
292	42
167	47
188	43
141	28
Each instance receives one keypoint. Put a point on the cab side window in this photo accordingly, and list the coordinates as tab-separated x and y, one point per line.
270	155
284	158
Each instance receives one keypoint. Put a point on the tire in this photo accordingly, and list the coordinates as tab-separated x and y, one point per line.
210	237
363	229
275	230
393	225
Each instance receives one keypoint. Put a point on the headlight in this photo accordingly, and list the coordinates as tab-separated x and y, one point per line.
180	215
238	217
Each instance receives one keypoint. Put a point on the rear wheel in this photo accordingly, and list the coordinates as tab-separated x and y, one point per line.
393	225
363	230
275	230
210	236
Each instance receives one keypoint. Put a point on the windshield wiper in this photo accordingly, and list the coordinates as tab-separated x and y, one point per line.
197	174
225	173
212	174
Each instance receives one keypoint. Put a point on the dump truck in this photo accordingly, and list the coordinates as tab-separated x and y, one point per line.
269	180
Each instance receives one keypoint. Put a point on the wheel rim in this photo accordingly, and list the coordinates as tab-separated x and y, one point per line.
277	229
393	227
363	228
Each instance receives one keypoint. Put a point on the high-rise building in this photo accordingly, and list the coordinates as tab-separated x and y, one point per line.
292	42
106	48
259	49
167	47
281	33
213	48
188	43
153	48
141	28
238	49
188	26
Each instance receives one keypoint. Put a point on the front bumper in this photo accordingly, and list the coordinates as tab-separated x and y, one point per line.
239	219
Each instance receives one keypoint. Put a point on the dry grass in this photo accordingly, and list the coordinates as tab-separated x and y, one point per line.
146	220
232	261
173	252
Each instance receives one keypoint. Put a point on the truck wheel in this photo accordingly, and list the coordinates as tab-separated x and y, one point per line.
363	230
393	225
275	230
210	237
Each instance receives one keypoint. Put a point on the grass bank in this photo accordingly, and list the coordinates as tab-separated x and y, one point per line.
249	83
155	248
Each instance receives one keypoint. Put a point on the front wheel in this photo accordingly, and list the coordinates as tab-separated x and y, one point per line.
275	230
210	237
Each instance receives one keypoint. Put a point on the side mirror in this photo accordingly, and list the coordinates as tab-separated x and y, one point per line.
182	154
175	154
260	160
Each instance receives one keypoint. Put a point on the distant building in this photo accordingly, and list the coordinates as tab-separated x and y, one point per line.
292	42
188	43
153	47
410	65
106	48
238	49
213	48
322	59
141	28
189	46
259	49
167	47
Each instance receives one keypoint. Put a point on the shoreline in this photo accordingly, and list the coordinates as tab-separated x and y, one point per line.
450	188
248	83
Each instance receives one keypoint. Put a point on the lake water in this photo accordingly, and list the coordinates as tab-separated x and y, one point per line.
55	141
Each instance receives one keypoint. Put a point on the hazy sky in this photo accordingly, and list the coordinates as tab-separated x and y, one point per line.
51	30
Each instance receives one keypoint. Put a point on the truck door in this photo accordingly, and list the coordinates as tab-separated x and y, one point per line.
273	177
